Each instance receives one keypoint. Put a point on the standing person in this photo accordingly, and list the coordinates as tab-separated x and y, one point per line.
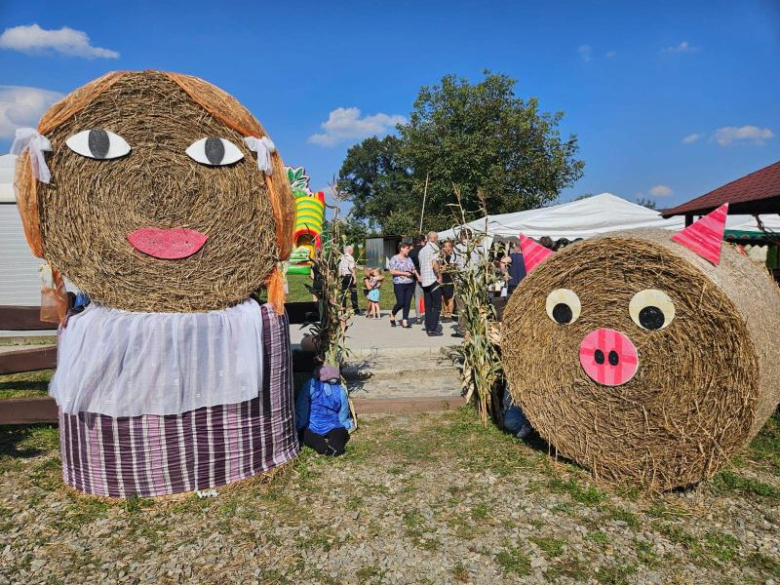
430	278
404	278
419	242
372	283
347	267
448	266
516	269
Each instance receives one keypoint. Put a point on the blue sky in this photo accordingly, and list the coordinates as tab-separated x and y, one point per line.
668	99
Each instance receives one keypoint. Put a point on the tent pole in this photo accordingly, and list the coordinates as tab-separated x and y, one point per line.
425	195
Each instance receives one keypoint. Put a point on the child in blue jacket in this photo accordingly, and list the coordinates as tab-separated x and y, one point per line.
323	412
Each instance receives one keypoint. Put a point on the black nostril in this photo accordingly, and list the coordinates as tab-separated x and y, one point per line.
599	355
613	358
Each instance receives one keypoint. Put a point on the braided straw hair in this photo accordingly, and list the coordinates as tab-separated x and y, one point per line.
80	221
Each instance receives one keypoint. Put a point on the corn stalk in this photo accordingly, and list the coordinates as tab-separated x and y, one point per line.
479	356
330	330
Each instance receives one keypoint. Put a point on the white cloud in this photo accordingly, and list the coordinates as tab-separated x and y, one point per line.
691	138
611	54
67	41
661	191
683	47
751	134
585	52
345	124
22	106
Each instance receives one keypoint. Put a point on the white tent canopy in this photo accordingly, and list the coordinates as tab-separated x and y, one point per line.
589	217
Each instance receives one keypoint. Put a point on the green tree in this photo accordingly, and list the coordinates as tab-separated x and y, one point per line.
476	136
649	203
379	185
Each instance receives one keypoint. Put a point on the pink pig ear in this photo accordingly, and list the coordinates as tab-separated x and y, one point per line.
533	253
705	236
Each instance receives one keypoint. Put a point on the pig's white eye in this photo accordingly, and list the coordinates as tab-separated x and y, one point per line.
214	152
563	306
99	144
651	309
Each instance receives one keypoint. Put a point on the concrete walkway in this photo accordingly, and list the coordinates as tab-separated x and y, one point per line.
397	370
366	337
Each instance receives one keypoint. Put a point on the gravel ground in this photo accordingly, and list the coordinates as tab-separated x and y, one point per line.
419	499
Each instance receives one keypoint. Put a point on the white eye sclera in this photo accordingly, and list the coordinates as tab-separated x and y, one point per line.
98	144
651	309
214	152
563	306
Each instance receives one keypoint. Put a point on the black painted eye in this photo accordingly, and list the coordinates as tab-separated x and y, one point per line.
98	144
651	309
214	152
563	306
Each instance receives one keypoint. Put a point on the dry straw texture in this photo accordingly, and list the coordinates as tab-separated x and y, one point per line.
705	386
92	205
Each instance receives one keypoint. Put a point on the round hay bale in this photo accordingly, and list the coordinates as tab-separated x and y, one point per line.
91	205
708	371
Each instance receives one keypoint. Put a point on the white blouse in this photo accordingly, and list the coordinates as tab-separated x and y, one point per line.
123	363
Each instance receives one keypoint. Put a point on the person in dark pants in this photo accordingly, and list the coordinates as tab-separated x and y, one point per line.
347	267
418	243
404	278
516	269
448	266
322	411
431	280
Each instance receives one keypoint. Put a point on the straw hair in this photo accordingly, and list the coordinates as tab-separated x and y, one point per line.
705	386
91	205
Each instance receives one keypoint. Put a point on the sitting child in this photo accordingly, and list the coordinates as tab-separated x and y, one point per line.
323	412
514	419
373	282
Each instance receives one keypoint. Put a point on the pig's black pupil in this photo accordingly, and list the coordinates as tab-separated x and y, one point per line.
215	150
562	313
651	317
99	143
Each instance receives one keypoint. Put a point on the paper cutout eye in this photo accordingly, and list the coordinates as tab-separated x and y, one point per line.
98	144
214	152
563	306
651	309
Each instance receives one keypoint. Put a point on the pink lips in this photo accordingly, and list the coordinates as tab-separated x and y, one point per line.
170	244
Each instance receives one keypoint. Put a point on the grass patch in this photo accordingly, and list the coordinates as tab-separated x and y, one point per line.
623	515
460	573
766	565
599	537
590	495
573	568
712	549
514	562
551	547
765	448
728	482
615	574
25	384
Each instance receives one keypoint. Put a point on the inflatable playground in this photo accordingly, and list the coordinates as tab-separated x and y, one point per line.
310	218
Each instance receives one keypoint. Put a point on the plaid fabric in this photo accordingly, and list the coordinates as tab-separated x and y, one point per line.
428	255
151	455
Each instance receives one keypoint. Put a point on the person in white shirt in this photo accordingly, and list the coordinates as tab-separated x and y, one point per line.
347	268
430	278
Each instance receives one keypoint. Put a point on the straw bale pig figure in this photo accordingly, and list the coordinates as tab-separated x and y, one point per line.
644	355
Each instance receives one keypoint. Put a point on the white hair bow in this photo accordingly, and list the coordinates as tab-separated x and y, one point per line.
36	143
263	147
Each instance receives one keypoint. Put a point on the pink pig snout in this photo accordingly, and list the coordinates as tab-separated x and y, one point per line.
608	357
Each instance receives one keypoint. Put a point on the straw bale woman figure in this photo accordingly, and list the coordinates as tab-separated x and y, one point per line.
162	198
